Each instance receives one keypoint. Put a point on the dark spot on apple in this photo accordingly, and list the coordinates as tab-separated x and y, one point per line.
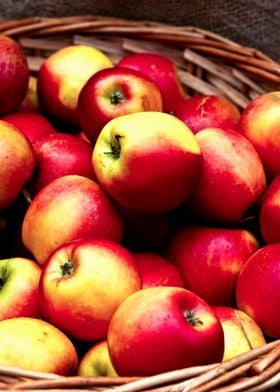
115	147
116	97
3	277
191	318
67	268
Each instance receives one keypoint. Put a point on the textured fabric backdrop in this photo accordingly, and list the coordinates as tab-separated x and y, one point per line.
253	23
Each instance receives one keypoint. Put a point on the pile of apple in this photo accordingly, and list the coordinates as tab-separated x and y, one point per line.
140	227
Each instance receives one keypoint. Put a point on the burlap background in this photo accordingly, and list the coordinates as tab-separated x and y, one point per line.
253	23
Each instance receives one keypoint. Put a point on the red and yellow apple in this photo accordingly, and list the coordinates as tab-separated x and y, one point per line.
14	75
19	283
82	284
113	92
32	125
60	154
69	207
209	260
30	102
96	362
260	123
156	270
241	332
148	162
232	179
17	163
63	75
269	217
257	289
206	111
163	328
163	71
36	345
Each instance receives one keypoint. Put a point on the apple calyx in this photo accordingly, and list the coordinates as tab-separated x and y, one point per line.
115	147
67	268
116	97
3	277
191	318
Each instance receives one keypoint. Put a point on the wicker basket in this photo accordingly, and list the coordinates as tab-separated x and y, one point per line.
208	64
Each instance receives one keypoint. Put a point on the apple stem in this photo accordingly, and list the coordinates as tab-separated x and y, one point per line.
3	277
115	147
67	268
116	98
192	318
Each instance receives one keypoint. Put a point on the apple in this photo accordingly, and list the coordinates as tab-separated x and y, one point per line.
163	71
17	163
30	102
156	270
113	92
241	332
269	216
32	125
159	329
62	76
82	284
232	179
206	111
96	362
19	283
257	289
14	75
260	123
68	208
148	162
209	260
60	154
36	345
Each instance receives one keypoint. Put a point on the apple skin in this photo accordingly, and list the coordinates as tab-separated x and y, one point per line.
69	207
269	217
18	162
14	75
232	179
163	71
260	123
96	362
257	289
58	155
62	76
32	125
36	345
156	270
209	260
113	92
241	332
82	284
205	111
19	283
30	103
158	332
139	156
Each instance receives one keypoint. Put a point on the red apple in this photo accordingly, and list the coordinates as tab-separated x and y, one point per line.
63	75
205	111
156	270
148	162
160	329
19	282
69	207
163	71
257	290
32	125
96	362
36	345
58	155
14	75
113	92
232	179
241	332
260	123
17	163
82	284
209	260
270	213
